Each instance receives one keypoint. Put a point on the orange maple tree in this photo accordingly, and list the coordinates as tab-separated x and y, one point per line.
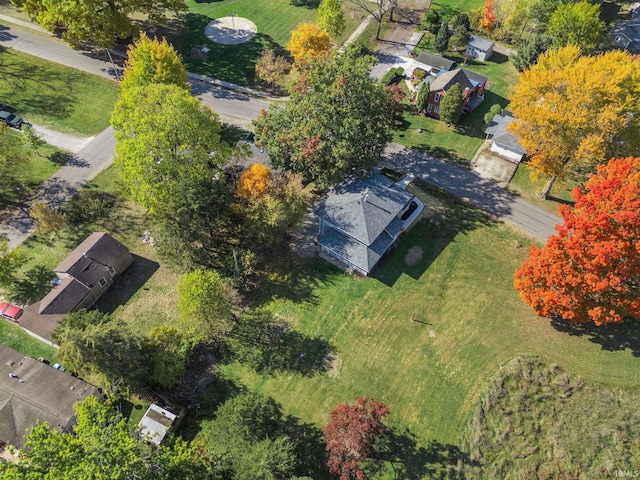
487	20
590	270
253	181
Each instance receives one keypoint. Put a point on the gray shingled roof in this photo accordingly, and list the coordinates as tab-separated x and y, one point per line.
365	215
480	43
44	395
63	297
364	208
437	61
87	263
501	136
466	79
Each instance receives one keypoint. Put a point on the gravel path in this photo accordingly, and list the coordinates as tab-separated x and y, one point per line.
65	141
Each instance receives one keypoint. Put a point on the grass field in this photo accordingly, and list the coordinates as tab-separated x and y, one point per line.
450	8
523	418
58	97
528	188
20	179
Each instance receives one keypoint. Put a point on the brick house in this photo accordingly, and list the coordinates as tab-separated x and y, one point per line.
473	88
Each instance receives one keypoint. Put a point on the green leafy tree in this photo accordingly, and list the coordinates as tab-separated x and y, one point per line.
102	23
92	342
164	136
576	24
459	38
495	109
528	54
206	304
330	17
441	43
270	67
462	20
268	217
431	20
31	141
423	96
247	432
153	61
11	151
103	445
451	105
168	353
48	219
10	262
337	121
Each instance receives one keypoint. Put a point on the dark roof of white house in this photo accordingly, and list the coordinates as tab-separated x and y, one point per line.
501	137
33	392
364	214
480	43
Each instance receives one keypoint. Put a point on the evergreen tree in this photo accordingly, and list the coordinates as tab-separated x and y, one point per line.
451	105
442	38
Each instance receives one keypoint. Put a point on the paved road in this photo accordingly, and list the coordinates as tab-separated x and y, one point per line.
85	165
468	185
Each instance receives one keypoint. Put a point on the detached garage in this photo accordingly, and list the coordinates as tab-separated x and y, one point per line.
502	142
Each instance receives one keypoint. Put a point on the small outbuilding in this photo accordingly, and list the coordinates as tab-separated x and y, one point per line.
156	423
479	47
503	142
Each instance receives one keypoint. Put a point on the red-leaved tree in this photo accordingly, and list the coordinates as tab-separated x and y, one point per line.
351	434
488	17
590	270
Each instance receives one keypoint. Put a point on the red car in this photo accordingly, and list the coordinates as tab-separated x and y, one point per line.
10	311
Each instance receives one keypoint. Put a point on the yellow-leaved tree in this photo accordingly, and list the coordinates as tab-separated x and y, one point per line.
575	111
253	181
307	41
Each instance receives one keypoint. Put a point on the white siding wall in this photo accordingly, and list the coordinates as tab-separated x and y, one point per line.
514	157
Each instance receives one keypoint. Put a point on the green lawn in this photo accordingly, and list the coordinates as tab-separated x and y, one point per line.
50	94
13	336
425	338
20	179
460	142
274	20
528	188
450	8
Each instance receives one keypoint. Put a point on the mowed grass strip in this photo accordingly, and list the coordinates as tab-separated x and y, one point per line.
14	337
426	338
58	97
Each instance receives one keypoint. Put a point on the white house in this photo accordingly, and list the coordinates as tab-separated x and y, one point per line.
503	143
479	47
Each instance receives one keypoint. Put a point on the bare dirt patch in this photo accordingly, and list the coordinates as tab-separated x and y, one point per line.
332	364
413	256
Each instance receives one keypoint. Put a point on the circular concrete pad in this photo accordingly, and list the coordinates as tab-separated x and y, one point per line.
230	30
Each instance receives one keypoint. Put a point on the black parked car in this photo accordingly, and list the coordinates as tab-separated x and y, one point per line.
8	116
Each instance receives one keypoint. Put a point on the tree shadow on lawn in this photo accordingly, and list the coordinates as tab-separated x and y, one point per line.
270	346
613	338
410	461
431	235
234	63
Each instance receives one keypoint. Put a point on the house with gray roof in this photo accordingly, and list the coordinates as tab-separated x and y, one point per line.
479	47
503	142
360	220
33	392
626	34
436	63
473	87
82	277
